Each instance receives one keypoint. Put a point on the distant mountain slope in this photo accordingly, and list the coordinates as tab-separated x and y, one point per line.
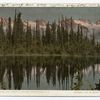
86	24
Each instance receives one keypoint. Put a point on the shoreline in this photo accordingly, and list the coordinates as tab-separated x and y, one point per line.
47	55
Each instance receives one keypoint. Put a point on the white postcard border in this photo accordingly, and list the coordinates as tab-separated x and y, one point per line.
49	92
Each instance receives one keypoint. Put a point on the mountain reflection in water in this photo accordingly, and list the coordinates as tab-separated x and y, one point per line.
49	73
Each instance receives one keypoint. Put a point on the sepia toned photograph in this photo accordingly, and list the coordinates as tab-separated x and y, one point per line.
50	48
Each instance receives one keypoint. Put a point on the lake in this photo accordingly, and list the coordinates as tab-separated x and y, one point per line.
49	73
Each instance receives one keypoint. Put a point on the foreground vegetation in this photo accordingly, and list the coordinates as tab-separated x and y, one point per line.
57	39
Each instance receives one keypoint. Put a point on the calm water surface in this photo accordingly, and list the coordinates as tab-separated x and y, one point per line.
49	73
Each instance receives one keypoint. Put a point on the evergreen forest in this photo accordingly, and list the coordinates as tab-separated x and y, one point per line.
58	38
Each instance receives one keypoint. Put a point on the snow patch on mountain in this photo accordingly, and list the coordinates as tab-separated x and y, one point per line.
86	24
90	26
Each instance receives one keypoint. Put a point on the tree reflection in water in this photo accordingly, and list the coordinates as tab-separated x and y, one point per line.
59	72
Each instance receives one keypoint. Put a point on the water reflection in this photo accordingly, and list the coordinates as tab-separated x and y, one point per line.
51	73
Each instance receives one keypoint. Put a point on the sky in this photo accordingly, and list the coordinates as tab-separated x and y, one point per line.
51	14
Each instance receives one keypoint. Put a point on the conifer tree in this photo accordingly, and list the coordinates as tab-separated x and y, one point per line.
48	34
81	37
93	39
14	34
19	28
53	34
28	36
66	36
62	32
9	34
71	29
78	32
37	34
2	36
59	35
